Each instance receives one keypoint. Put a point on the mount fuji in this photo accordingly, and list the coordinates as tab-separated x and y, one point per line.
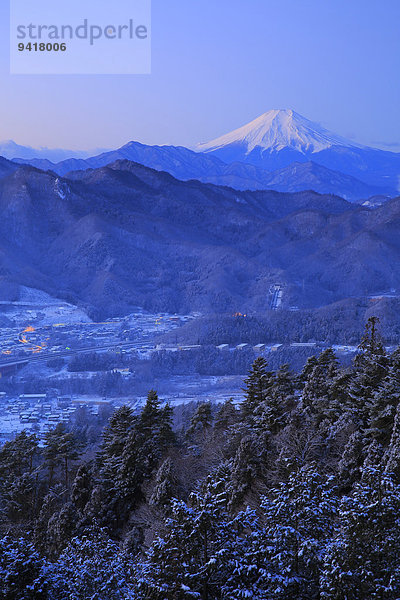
277	130
278	138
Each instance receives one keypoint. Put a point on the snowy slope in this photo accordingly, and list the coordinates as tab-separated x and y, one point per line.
276	130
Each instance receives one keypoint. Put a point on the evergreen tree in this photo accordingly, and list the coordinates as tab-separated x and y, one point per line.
202	418
51	505
106	502
226	416
350	464
154	425
202	550
137	461
317	397
115	434
373	458
284	387
166	485
60	529
82	487
16	457
308	368
19	498
371	342
363	561
299	519
247	469
60	448
23	573
371	367
392	455
132	449
382	409
52	450
228	429
150	414
272	414
339	394
69	447
93	567
257	384
155	432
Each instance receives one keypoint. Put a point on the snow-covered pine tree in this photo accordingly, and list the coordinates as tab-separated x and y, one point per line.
271	415
23	572
247	468
201	419
299	518
284	387
257	384
392	454
131	450
371	367
82	487
203	551
165	487
18	498
317	397
227	415
363	561
93	567
61	528
155	421
114	436
51	504
350	464
17	455
382	407
308	368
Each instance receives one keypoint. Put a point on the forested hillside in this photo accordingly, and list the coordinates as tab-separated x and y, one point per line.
293	495
125	236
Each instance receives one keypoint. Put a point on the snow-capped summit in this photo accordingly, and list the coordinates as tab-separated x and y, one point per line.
279	138
277	130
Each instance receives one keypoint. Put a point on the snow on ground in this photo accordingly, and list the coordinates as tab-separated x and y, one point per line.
35	306
34	296
11	425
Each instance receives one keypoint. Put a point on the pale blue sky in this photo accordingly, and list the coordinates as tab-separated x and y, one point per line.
217	64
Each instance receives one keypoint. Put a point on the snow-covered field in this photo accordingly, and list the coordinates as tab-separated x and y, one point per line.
37	307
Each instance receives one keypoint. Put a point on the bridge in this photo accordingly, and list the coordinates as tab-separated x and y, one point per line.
10	368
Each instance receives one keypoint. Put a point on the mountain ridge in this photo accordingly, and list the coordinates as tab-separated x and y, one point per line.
256	155
124	235
10	150
185	164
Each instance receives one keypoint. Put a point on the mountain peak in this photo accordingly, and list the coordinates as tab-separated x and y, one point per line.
276	130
